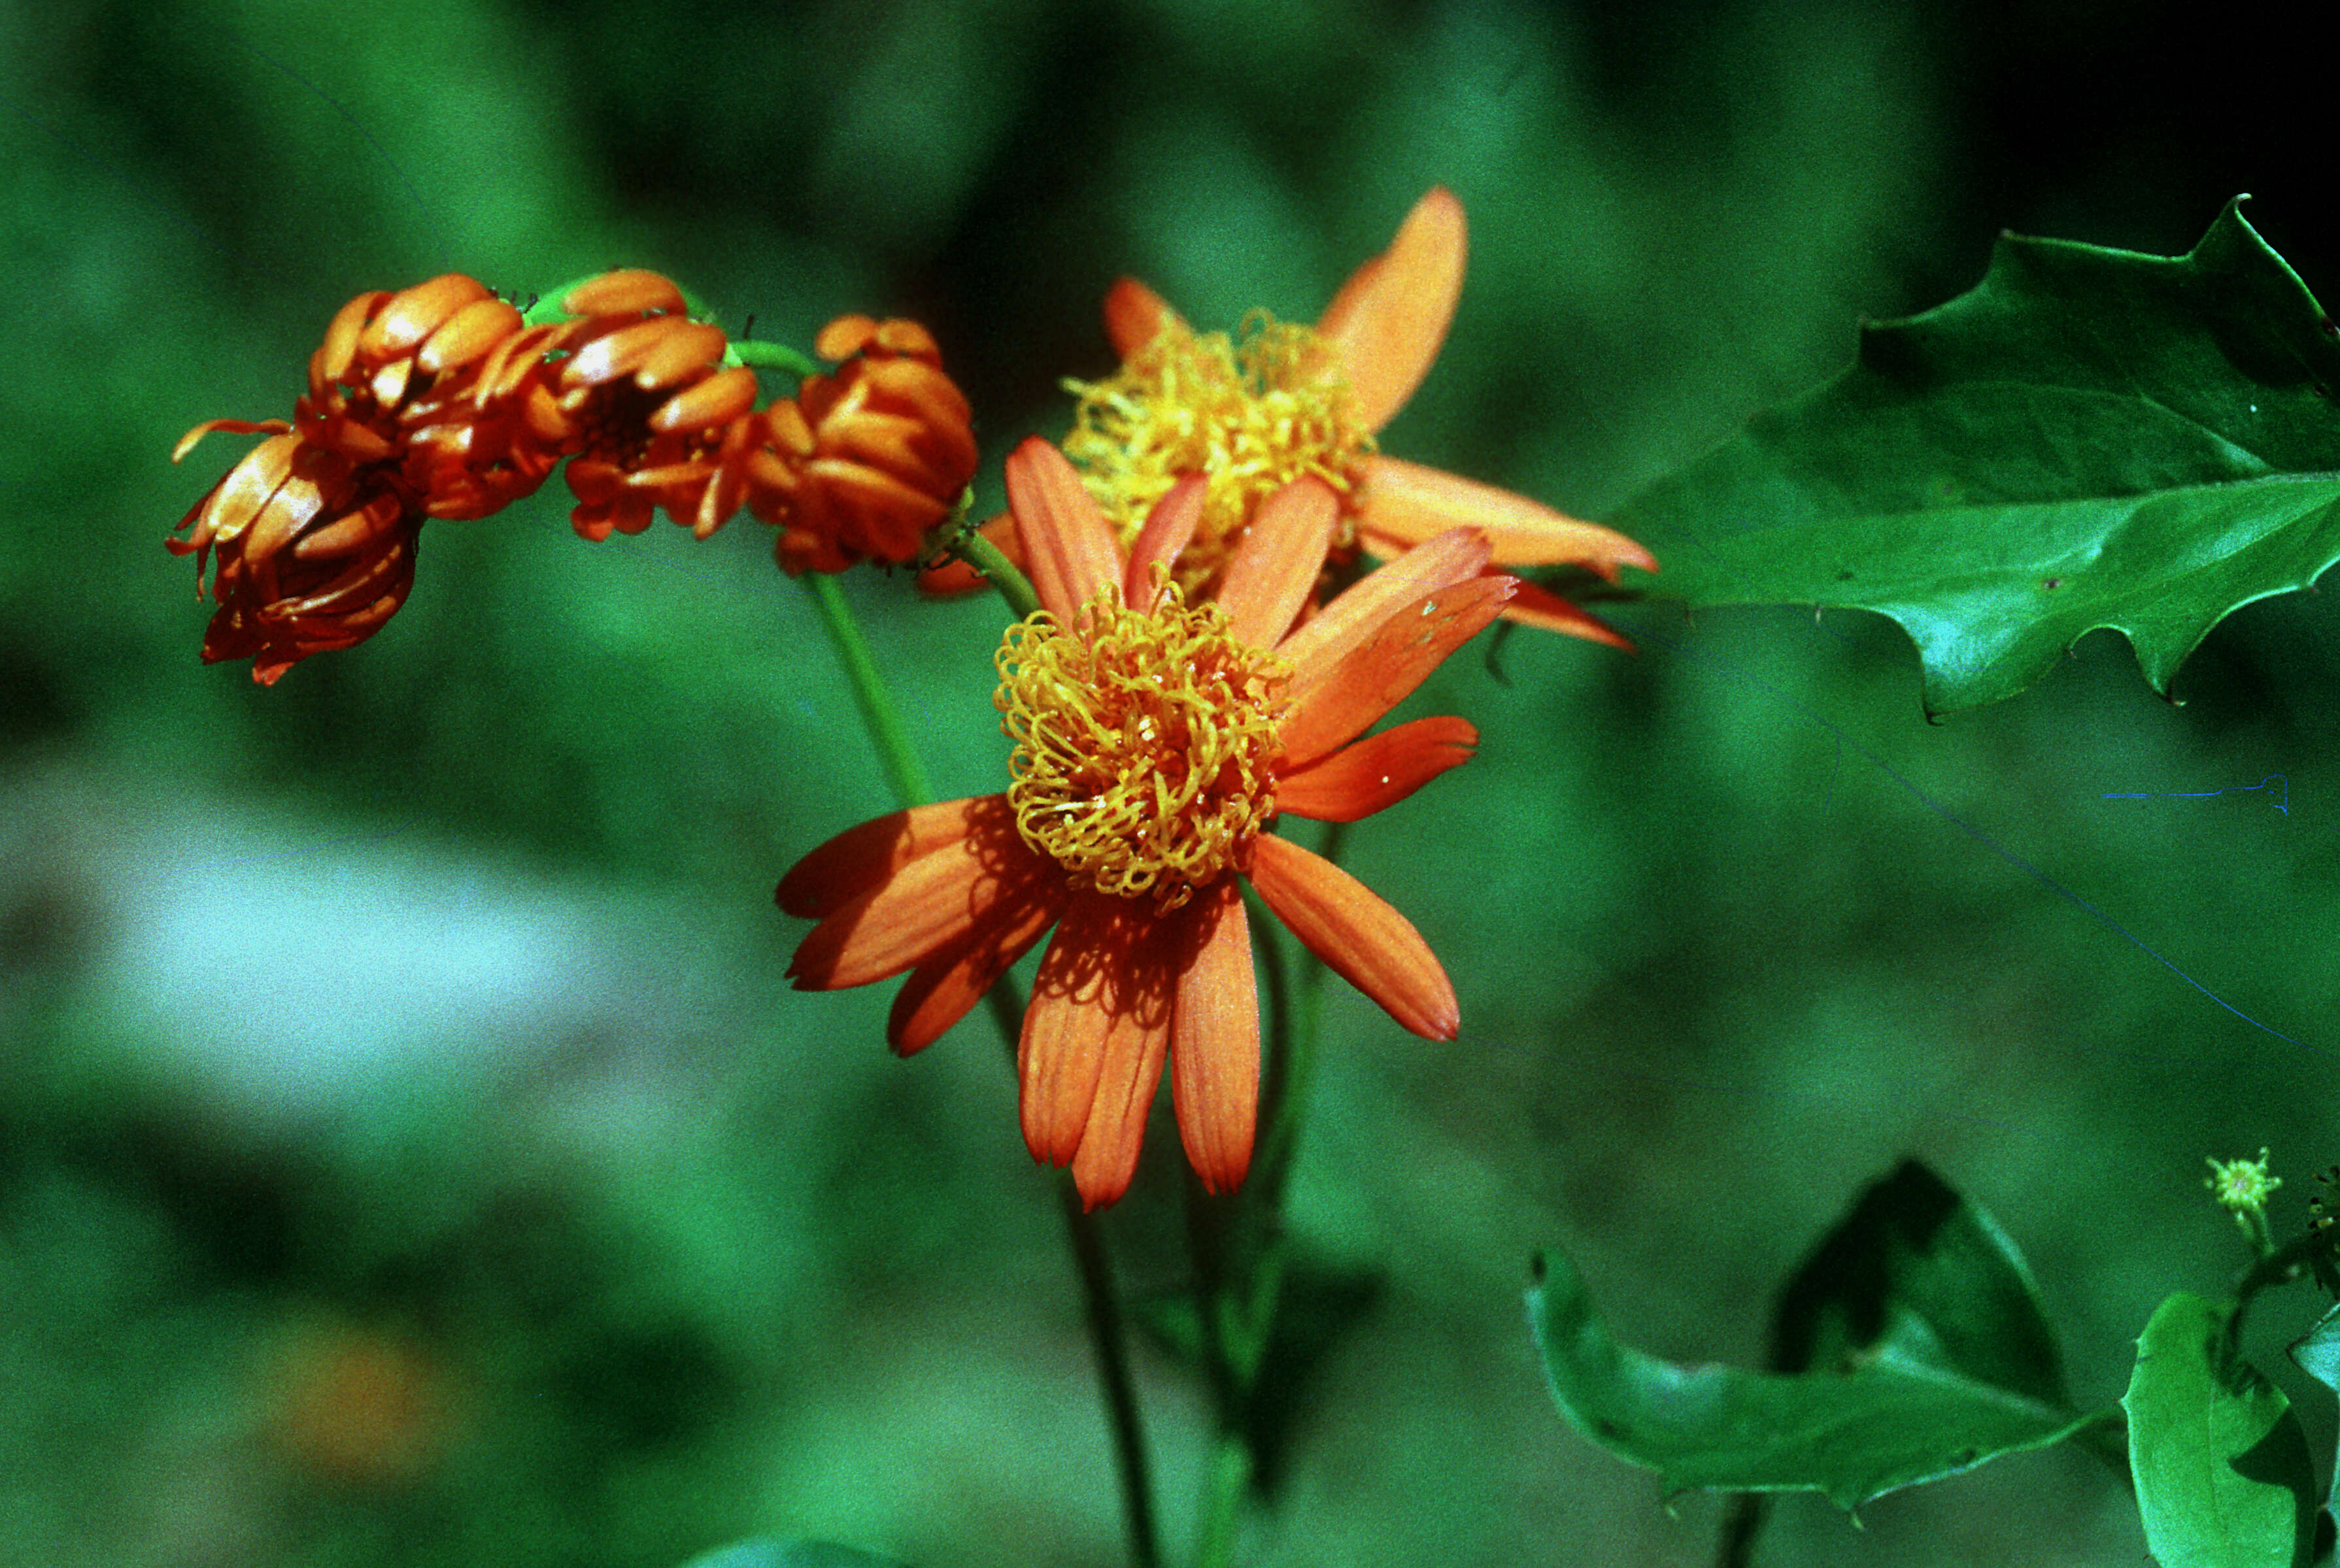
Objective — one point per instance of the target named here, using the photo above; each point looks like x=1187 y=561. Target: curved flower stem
x=879 y=714
x=1002 y=573
x=759 y=355
x=1107 y=1335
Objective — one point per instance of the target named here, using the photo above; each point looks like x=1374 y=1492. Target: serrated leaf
x=1888 y=1421
x=2088 y=439
x=1915 y=1264
x=762 y=1553
x=2222 y=1472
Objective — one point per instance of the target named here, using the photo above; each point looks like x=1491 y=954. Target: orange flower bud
x=864 y=463
x=645 y=405
x=314 y=553
x=400 y=377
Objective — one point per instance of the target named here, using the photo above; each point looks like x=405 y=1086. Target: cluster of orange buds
x=442 y=400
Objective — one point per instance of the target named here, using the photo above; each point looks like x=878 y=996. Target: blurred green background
x=410 y=1152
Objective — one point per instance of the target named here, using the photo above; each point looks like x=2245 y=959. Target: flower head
x=397 y=380
x=314 y=552
x=2241 y=1186
x=1155 y=742
x=645 y=406
x=1279 y=401
x=861 y=465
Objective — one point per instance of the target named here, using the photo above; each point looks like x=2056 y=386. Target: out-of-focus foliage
x=2089 y=438
x=490 y=896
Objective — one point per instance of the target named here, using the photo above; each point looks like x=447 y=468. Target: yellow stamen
x=1254 y=413
x=1145 y=744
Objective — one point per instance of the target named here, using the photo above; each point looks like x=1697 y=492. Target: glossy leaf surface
x=2088 y=439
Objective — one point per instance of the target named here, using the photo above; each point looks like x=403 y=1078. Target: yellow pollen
x=1253 y=412
x=1146 y=744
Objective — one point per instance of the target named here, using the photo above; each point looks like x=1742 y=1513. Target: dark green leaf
x=2317 y=1351
x=1915 y=1266
x=2089 y=437
x=1890 y=1420
x=789 y=1554
x=2222 y=1476
x=2318 y=1355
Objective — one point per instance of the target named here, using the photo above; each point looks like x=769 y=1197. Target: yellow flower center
x=1254 y=413
x=1145 y=744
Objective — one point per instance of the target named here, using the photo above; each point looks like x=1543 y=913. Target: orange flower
x=396 y=381
x=1280 y=401
x=863 y=464
x=314 y=552
x=1155 y=741
x=645 y=403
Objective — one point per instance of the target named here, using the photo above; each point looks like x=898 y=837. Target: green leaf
x=1888 y=1422
x=1913 y=1348
x=2089 y=437
x=2222 y=1476
x=2317 y=1354
x=789 y=1554
x=1915 y=1264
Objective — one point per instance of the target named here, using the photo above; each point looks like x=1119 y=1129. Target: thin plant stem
x=1107 y=1335
x=1003 y=574
x=1103 y=1307
x=879 y=714
x=1230 y=1480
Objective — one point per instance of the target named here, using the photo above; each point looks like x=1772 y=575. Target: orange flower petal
x=1383 y=670
x=1134 y=1042
x=468 y=335
x=716 y=400
x=621 y=293
x=1358 y=935
x=1134 y=313
x=1215 y=1043
x=413 y=314
x=1075 y=1007
x=940 y=991
x=861 y=858
x=845 y=337
x=1356 y=614
x=1547 y=611
x=1390 y=318
x=685 y=347
x=1377 y=773
x=1276 y=566
x=240 y=427
x=332 y=359
x=925 y=907
x=1167 y=529
x=1070 y=550
x=1402 y=504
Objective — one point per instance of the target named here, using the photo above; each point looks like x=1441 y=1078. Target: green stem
x=879 y=714
x=758 y=355
x=1106 y=1334
x=1229 y=1479
x=1003 y=574
x=1103 y=1307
